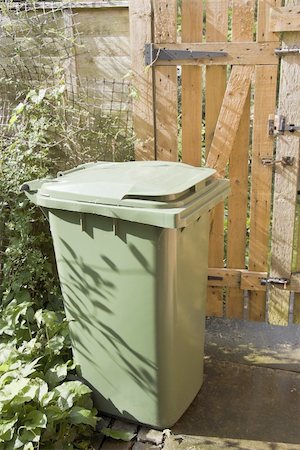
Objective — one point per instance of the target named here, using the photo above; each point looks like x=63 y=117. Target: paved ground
x=250 y=398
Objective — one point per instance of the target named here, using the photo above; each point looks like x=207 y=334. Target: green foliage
x=39 y=408
x=26 y=153
x=118 y=434
x=49 y=129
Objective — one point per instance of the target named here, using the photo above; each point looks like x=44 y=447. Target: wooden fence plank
x=263 y=21
x=216 y=30
x=247 y=280
x=70 y=66
x=261 y=176
x=165 y=82
x=140 y=21
x=192 y=17
x=284 y=19
x=261 y=182
x=242 y=30
x=296 y=311
x=230 y=117
x=238 y=53
x=285 y=189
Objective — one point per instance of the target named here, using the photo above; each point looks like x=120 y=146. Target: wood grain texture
x=296 y=311
x=286 y=177
x=261 y=176
x=70 y=65
x=105 y=51
x=261 y=182
x=284 y=19
x=230 y=116
x=165 y=83
x=238 y=53
x=140 y=20
x=216 y=30
x=263 y=20
x=192 y=17
x=242 y=30
x=247 y=280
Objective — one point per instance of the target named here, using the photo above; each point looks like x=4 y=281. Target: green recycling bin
x=131 y=244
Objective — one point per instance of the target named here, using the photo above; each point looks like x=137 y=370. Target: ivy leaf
x=81 y=415
x=118 y=434
x=7 y=428
x=69 y=392
x=39 y=317
x=55 y=414
x=35 y=419
x=57 y=373
x=13 y=390
x=28 y=446
x=55 y=344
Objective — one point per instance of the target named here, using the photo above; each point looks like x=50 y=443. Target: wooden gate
x=217 y=108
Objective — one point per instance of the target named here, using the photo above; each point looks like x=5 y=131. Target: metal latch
x=285 y=161
x=277 y=125
x=275 y=281
x=152 y=54
x=287 y=51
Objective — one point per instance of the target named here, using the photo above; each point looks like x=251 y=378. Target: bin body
x=134 y=294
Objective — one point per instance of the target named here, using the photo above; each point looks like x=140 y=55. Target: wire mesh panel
x=39 y=44
x=48 y=106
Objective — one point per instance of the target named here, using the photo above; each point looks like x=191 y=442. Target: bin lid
x=163 y=194
x=110 y=183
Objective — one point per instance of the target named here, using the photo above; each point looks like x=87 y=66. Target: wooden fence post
x=242 y=31
x=261 y=176
x=140 y=21
x=216 y=31
x=165 y=83
x=286 y=177
x=192 y=17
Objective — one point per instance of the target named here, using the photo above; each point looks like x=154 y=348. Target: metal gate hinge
x=152 y=54
x=275 y=281
x=285 y=161
x=277 y=126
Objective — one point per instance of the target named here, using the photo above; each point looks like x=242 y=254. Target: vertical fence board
x=216 y=31
x=285 y=189
x=192 y=17
x=261 y=182
x=165 y=31
x=261 y=176
x=296 y=311
x=242 y=30
x=70 y=64
x=140 y=21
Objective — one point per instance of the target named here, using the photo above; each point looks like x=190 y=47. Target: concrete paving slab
x=245 y=402
x=253 y=343
x=210 y=443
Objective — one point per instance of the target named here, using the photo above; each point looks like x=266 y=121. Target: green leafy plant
x=50 y=129
x=39 y=407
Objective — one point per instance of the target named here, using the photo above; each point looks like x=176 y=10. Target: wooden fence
x=225 y=106
x=90 y=38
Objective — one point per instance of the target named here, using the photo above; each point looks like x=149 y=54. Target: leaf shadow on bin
x=84 y=288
